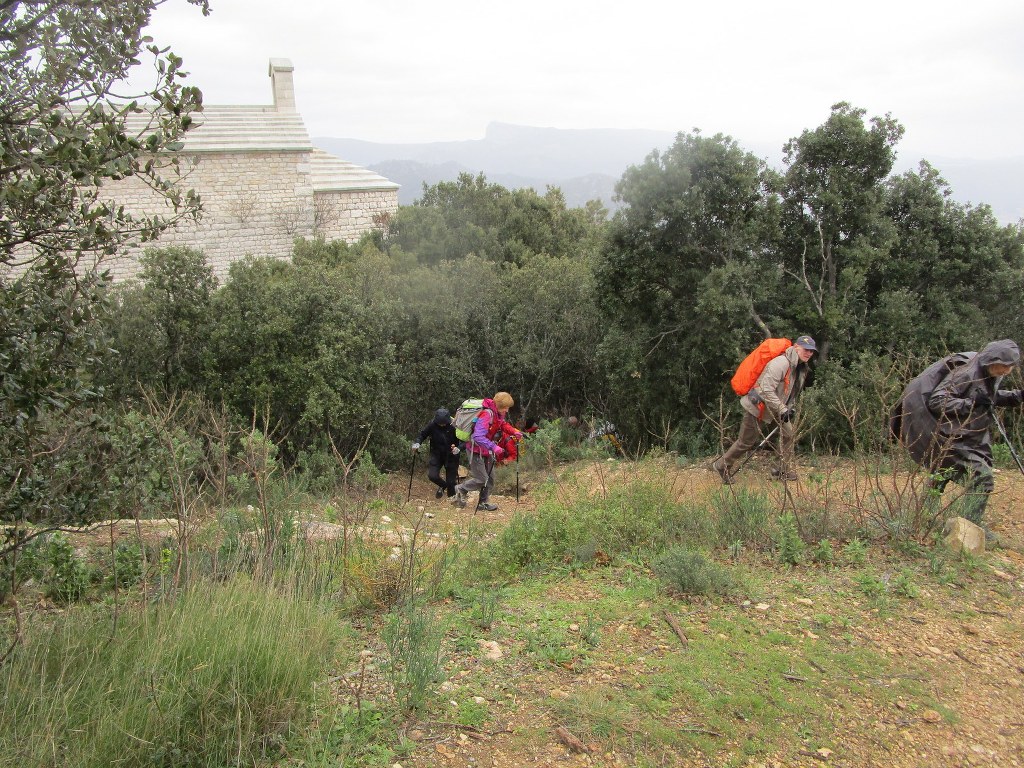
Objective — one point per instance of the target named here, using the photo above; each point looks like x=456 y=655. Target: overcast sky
x=402 y=71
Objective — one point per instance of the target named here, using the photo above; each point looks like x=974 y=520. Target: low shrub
x=634 y=517
x=412 y=635
x=789 y=547
x=690 y=572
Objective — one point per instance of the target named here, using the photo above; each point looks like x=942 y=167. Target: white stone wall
x=255 y=203
x=347 y=214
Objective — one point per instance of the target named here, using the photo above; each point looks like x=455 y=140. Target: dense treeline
x=640 y=319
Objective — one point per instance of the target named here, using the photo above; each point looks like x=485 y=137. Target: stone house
x=263 y=184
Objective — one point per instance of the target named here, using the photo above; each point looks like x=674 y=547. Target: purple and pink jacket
x=485 y=429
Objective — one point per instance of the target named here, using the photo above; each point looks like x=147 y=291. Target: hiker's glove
x=499 y=452
x=455 y=450
x=982 y=401
x=415 y=447
x=787 y=415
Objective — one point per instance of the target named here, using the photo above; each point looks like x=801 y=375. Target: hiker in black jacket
x=444 y=452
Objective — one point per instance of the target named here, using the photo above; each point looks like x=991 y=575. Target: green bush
x=690 y=572
x=210 y=680
x=789 y=547
x=633 y=517
x=855 y=552
x=823 y=553
x=741 y=515
x=126 y=570
x=64 y=575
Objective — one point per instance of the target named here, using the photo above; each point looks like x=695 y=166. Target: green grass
x=212 y=679
x=744 y=686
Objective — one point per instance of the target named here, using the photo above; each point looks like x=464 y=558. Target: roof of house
x=245 y=129
x=331 y=173
x=276 y=127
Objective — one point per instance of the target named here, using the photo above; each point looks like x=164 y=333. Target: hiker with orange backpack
x=483 y=450
x=777 y=371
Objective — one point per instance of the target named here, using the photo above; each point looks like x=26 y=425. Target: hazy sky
x=401 y=71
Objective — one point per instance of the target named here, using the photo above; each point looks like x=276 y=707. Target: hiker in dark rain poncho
x=945 y=415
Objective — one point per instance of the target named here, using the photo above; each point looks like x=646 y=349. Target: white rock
x=962 y=534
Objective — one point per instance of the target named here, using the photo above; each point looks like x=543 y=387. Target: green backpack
x=466 y=416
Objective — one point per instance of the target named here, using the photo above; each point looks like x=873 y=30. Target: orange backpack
x=750 y=369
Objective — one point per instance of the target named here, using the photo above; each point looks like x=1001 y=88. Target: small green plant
x=551 y=646
x=126 y=570
x=1001 y=455
x=486 y=603
x=741 y=516
x=789 y=547
x=903 y=585
x=591 y=631
x=855 y=552
x=65 y=576
x=823 y=553
x=690 y=572
x=366 y=477
x=472 y=713
x=412 y=636
x=870 y=584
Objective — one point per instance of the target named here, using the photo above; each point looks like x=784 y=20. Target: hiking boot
x=723 y=472
x=486 y=506
x=439 y=493
x=459 y=500
x=786 y=475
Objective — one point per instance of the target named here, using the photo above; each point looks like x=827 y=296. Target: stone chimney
x=281 y=81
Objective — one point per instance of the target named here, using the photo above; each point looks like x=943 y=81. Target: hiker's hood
x=489 y=404
x=1003 y=351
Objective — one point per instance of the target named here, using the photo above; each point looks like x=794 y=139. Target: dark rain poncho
x=937 y=418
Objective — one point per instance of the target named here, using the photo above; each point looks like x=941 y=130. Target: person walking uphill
x=484 y=451
x=773 y=396
x=944 y=417
x=444 y=452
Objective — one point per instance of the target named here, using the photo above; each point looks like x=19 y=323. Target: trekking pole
x=412 y=470
x=517 y=474
x=758 y=447
x=1006 y=440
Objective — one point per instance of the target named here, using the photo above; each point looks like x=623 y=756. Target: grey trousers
x=481 y=477
x=750 y=436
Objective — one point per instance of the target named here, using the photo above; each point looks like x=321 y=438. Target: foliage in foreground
x=212 y=679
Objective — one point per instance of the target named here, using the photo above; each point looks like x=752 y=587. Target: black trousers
x=438 y=461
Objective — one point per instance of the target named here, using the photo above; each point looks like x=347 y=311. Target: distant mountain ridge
x=587 y=163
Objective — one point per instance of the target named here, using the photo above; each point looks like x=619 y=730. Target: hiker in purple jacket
x=484 y=452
